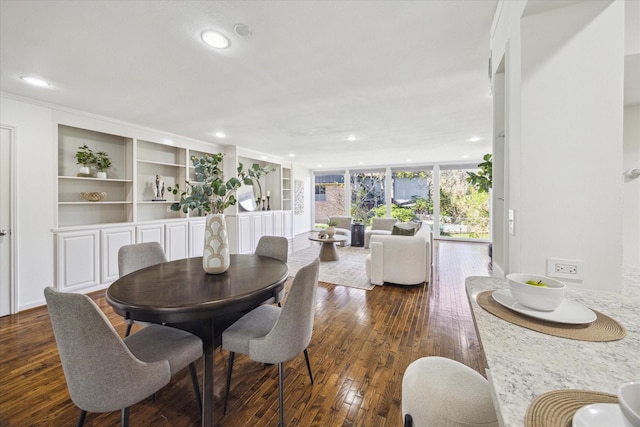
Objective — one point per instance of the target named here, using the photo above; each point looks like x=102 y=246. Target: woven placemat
x=557 y=408
x=603 y=328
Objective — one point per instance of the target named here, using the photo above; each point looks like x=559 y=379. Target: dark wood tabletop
x=181 y=291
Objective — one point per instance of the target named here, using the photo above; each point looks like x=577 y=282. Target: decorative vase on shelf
x=215 y=257
x=331 y=230
x=84 y=171
x=101 y=175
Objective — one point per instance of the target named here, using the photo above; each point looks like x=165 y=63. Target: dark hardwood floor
x=362 y=343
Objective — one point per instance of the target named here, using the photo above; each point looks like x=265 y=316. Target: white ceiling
x=407 y=78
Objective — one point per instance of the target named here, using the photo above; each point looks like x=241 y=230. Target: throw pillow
x=401 y=229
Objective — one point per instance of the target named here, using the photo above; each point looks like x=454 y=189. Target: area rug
x=347 y=271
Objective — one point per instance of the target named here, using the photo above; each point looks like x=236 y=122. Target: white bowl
x=543 y=298
x=629 y=399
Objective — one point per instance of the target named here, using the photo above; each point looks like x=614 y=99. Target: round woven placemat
x=603 y=328
x=557 y=408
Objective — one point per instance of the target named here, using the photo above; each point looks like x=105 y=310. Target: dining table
x=523 y=364
x=180 y=292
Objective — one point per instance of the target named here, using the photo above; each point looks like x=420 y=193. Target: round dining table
x=181 y=292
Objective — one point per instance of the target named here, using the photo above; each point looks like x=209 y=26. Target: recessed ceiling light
x=351 y=138
x=291 y=155
x=242 y=30
x=361 y=163
x=319 y=166
x=465 y=156
x=36 y=81
x=475 y=139
x=409 y=160
x=168 y=141
x=215 y=39
x=264 y=157
x=221 y=134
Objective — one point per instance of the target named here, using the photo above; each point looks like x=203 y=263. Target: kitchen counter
x=521 y=364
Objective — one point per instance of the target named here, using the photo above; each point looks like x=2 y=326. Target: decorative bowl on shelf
x=536 y=292
x=94 y=196
x=629 y=398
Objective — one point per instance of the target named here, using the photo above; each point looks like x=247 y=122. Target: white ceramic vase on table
x=215 y=257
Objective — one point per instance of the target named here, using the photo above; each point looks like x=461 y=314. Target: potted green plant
x=85 y=157
x=102 y=163
x=211 y=194
x=255 y=173
x=482 y=181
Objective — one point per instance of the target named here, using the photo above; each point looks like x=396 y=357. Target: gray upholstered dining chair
x=136 y=257
x=106 y=373
x=274 y=335
x=274 y=247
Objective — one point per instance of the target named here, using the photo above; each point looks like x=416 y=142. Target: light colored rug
x=347 y=271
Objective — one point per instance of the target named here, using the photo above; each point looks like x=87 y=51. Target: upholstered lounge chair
x=402 y=260
x=379 y=227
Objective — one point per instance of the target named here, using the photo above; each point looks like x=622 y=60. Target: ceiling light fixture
x=351 y=138
x=221 y=135
x=465 y=156
x=215 y=39
x=475 y=139
x=291 y=155
x=35 y=81
x=264 y=157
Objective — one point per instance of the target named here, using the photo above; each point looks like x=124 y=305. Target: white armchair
x=379 y=226
x=402 y=260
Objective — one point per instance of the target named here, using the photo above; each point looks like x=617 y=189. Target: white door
x=6 y=256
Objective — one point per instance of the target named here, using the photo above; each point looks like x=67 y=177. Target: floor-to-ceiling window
x=464 y=211
x=329 y=192
x=412 y=194
x=367 y=195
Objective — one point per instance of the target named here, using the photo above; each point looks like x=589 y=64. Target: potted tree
x=482 y=181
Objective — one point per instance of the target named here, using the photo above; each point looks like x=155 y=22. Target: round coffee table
x=328 y=250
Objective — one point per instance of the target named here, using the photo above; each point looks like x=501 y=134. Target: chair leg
x=306 y=358
x=281 y=391
x=408 y=421
x=128 y=331
x=80 y=422
x=229 y=370
x=124 y=418
x=196 y=387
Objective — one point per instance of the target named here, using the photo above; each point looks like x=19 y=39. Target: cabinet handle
x=3 y=232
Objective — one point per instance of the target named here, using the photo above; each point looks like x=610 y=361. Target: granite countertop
x=522 y=364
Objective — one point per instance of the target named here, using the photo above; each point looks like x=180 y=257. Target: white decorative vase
x=101 y=175
x=215 y=257
x=331 y=230
x=84 y=171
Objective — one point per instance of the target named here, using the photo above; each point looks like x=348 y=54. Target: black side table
x=357 y=234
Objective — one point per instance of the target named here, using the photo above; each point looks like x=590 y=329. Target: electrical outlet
x=168 y=208
x=565 y=268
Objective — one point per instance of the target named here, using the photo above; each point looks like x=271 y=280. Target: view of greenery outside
x=464 y=211
x=367 y=195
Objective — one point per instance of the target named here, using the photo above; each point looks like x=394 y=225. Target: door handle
x=3 y=232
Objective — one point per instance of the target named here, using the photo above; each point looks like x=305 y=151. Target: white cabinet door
x=245 y=234
x=267 y=224
x=112 y=239
x=176 y=242
x=288 y=224
x=150 y=233
x=257 y=230
x=196 y=237
x=77 y=260
x=278 y=223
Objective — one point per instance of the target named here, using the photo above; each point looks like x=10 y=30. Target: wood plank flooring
x=362 y=343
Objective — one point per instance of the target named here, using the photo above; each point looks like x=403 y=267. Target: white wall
x=302 y=223
x=631 y=195
x=564 y=98
x=35 y=198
